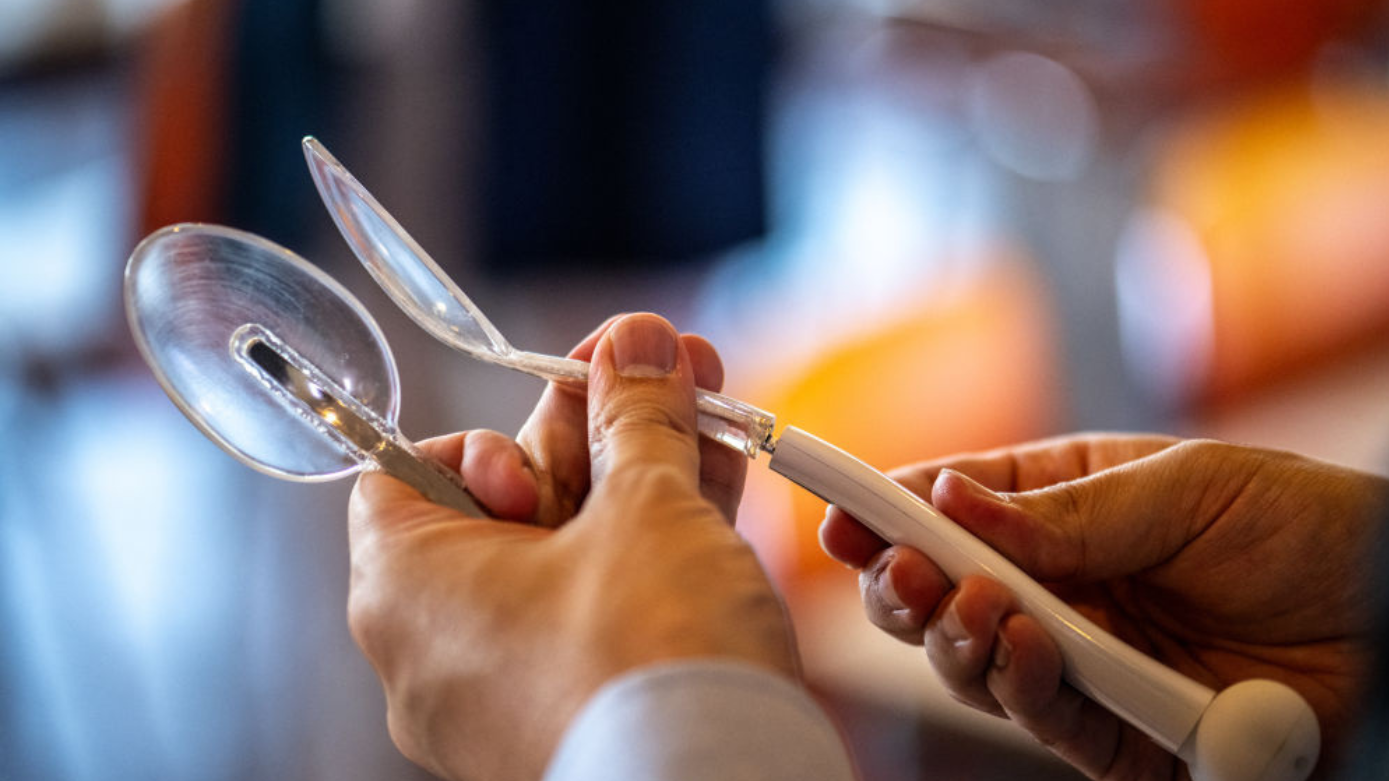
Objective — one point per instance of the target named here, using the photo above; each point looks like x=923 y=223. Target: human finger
x=641 y=404
x=497 y=472
x=1036 y=464
x=1025 y=679
x=1009 y=469
x=901 y=589
x=959 y=640
x=493 y=468
x=555 y=435
x=848 y=541
x=1115 y=522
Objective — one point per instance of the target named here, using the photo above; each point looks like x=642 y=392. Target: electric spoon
x=1256 y=730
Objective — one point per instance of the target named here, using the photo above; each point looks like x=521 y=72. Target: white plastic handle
x=1260 y=730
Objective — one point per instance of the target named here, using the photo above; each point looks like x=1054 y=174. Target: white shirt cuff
x=698 y=721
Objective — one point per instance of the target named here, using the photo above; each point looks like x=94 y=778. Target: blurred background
x=913 y=227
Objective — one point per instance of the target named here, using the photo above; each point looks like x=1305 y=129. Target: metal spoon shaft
x=305 y=389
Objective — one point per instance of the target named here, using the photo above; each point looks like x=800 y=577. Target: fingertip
x=952 y=490
x=884 y=607
x=641 y=399
x=960 y=640
x=983 y=603
x=916 y=580
x=498 y=472
x=846 y=540
x=722 y=476
x=642 y=346
x=705 y=360
x=994 y=518
x=363 y=498
x=447 y=449
x=375 y=489
x=723 y=470
x=901 y=589
x=961 y=633
x=380 y=503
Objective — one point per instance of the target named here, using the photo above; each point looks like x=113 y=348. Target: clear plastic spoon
x=419 y=287
x=273 y=360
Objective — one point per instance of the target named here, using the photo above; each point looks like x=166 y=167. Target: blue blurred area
x=622 y=133
x=167 y=612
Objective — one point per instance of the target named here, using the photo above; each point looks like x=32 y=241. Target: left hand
x=1221 y=561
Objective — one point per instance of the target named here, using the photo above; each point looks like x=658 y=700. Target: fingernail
x=973 y=487
x=1003 y=653
x=952 y=627
x=643 y=347
x=886 y=591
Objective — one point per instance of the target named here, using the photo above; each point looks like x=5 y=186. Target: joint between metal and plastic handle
x=724 y=419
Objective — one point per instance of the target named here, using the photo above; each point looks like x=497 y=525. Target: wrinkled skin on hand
x=1221 y=561
x=613 y=548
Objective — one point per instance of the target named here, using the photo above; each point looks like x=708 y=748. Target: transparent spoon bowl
x=272 y=359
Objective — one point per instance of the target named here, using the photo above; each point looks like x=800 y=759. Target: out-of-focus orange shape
x=1288 y=196
x=973 y=369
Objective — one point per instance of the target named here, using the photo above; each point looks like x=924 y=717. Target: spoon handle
x=401 y=459
x=306 y=391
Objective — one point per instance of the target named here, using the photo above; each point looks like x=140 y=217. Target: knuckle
x=366 y=620
x=416 y=702
x=1199 y=453
x=371 y=617
x=641 y=413
x=408 y=721
x=402 y=733
x=647 y=484
x=899 y=622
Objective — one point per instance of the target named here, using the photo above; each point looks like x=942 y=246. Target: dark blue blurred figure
x=284 y=86
x=622 y=131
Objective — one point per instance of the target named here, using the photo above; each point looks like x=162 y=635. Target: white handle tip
x=1254 y=731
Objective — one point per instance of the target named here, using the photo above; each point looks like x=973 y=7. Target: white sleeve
x=701 y=721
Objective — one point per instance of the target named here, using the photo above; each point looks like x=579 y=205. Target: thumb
x=641 y=405
x=1115 y=522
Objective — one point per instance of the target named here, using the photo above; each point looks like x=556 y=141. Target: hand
x=1223 y=562
x=489 y=635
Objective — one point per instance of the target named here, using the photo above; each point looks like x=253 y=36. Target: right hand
x=1223 y=562
x=613 y=550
